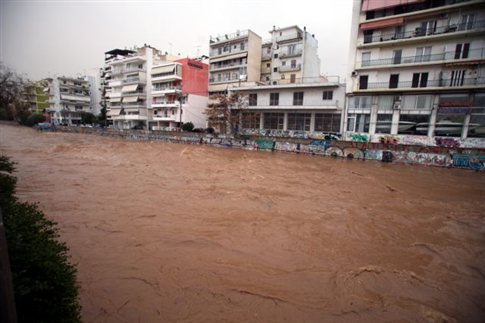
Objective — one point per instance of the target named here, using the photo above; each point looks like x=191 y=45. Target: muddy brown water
x=186 y=233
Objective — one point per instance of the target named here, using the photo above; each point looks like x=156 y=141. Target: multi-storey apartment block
x=179 y=91
x=145 y=89
x=235 y=60
x=68 y=98
x=417 y=67
x=294 y=109
x=289 y=57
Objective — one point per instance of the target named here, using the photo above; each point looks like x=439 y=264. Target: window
x=250 y=120
x=410 y=123
x=396 y=56
x=363 y=79
x=327 y=122
x=283 y=76
x=476 y=127
x=457 y=77
x=253 y=99
x=361 y=102
x=274 y=121
x=268 y=65
x=423 y=54
x=466 y=22
x=292 y=78
x=327 y=95
x=393 y=81
x=275 y=69
x=291 y=49
x=385 y=102
x=416 y=102
x=274 y=98
x=427 y=28
x=461 y=50
x=299 y=121
x=242 y=46
x=358 y=122
x=293 y=63
x=219 y=50
x=419 y=80
x=298 y=98
x=368 y=36
x=275 y=55
x=366 y=58
x=283 y=63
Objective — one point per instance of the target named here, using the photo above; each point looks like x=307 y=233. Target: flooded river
x=176 y=233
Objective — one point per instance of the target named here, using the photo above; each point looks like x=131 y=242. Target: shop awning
x=130 y=99
x=163 y=69
x=382 y=23
x=225 y=58
x=129 y=88
x=114 y=112
x=369 y=5
x=75 y=98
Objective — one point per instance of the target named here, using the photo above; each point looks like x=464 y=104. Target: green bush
x=44 y=281
x=87 y=118
x=188 y=126
x=34 y=119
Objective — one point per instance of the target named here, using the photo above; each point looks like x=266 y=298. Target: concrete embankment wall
x=473 y=158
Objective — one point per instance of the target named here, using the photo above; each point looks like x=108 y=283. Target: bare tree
x=13 y=105
x=224 y=112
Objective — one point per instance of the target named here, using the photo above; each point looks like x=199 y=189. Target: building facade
x=234 y=60
x=293 y=110
x=290 y=57
x=417 y=69
x=68 y=99
x=148 y=89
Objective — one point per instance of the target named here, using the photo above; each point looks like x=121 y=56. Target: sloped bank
x=385 y=151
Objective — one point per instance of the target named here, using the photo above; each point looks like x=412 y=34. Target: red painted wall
x=195 y=77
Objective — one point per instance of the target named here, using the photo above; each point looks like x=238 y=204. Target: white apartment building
x=290 y=56
x=296 y=110
x=417 y=68
x=144 y=89
x=235 y=60
x=68 y=98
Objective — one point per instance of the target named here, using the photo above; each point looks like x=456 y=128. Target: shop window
x=327 y=122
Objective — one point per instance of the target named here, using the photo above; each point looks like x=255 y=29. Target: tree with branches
x=225 y=111
x=12 y=90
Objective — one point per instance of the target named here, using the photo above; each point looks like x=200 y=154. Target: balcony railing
x=227 y=66
x=480 y=81
x=225 y=79
x=227 y=37
x=168 y=88
x=229 y=51
x=266 y=56
x=291 y=36
x=425 y=32
x=126 y=70
x=140 y=92
x=478 y=53
x=133 y=80
x=288 y=68
x=294 y=53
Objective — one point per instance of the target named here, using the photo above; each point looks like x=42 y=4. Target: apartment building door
x=423 y=54
x=420 y=80
x=457 y=77
x=393 y=81
x=396 y=56
x=363 y=80
x=466 y=22
x=461 y=50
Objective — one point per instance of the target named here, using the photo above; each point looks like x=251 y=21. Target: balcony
x=226 y=79
x=289 y=37
x=129 y=117
x=228 y=37
x=228 y=67
x=165 y=104
x=166 y=90
x=294 y=53
x=266 y=56
x=430 y=85
x=229 y=51
x=134 y=80
x=289 y=68
x=117 y=71
x=473 y=54
x=327 y=105
x=456 y=29
x=133 y=93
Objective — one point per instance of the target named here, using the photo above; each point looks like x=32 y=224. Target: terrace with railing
x=440 y=83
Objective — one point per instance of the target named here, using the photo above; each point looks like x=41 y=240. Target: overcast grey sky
x=44 y=38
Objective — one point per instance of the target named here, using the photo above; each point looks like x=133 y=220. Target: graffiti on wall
x=392 y=140
x=359 y=138
x=475 y=162
x=447 y=142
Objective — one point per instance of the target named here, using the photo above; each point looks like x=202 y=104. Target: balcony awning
x=163 y=69
x=75 y=98
x=117 y=99
x=225 y=58
x=369 y=5
x=382 y=23
x=129 y=88
x=114 y=112
x=130 y=99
